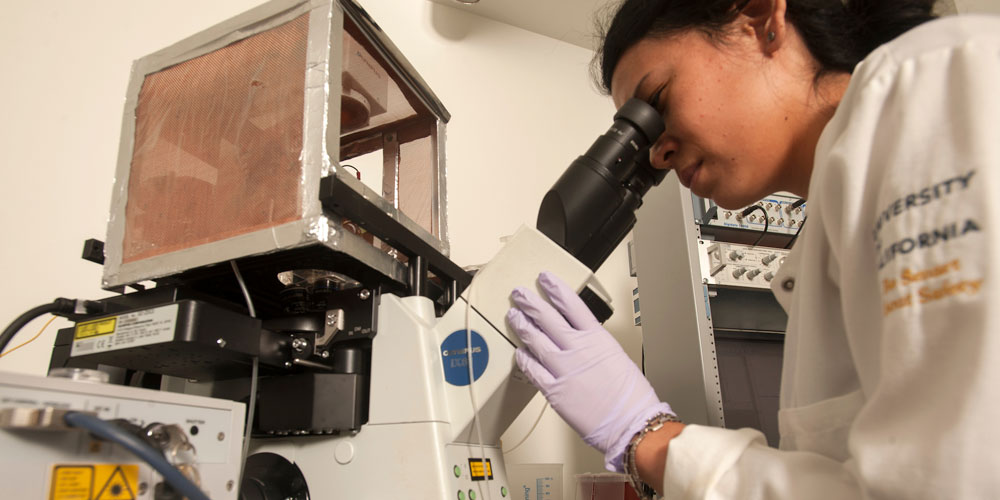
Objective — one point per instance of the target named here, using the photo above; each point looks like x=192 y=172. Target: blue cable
x=110 y=432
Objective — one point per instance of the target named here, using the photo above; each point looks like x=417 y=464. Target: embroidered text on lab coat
x=920 y=198
x=923 y=240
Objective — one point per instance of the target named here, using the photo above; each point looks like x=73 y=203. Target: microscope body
x=368 y=392
x=421 y=436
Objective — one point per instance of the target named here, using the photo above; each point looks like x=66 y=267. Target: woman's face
x=732 y=110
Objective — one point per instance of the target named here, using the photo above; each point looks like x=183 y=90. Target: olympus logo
x=456 y=352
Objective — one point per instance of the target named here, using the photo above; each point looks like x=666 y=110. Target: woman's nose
x=660 y=155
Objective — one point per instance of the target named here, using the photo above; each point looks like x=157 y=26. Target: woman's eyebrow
x=654 y=98
x=638 y=86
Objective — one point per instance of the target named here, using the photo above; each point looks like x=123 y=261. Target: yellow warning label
x=121 y=485
x=94 y=482
x=72 y=482
x=95 y=328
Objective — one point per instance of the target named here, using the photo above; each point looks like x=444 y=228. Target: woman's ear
x=765 y=20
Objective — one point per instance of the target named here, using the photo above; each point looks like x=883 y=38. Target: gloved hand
x=581 y=369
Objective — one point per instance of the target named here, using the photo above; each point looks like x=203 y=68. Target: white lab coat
x=891 y=381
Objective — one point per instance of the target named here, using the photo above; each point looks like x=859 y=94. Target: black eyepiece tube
x=592 y=206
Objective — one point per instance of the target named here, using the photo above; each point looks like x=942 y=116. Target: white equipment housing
x=420 y=440
x=47 y=460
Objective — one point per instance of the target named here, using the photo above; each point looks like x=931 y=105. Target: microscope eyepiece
x=641 y=115
x=592 y=206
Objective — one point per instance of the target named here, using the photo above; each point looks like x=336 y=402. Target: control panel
x=472 y=474
x=781 y=213
x=736 y=265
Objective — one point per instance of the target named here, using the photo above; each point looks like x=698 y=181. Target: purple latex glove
x=581 y=369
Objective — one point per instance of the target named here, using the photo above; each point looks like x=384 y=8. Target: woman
x=887 y=123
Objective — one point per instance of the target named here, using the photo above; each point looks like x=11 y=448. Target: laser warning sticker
x=150 y=326
x=95 y=482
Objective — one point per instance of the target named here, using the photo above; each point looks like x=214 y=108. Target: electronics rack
x=713 y=333
x=785 y=214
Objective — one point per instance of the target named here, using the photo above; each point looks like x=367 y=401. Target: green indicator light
x=458 y=472
x=503 y=491
x=461 y=495
x=472 y=495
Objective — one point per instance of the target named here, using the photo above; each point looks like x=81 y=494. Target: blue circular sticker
x=455 y=357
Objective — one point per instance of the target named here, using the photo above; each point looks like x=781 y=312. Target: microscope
x=293 y=304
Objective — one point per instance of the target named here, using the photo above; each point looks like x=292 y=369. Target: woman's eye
x=657 y=100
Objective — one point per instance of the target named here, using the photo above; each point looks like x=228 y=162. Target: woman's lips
x=687 y=174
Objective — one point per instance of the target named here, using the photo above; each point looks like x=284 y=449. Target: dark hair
x=838 y=33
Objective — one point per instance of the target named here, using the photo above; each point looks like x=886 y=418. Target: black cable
x=356 y=171
x=58 y=305
x=110 y=432
x=798 y=203
x=797 y=231
x=747 y=211
x=643 y=360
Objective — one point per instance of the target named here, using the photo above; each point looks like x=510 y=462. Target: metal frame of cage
x=321 y=135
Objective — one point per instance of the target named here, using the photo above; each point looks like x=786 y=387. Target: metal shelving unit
x=712 y=350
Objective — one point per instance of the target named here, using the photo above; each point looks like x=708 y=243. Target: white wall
x=522 y=104
x=977 y=6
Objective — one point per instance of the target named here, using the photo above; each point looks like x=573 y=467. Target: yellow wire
x=39 y=334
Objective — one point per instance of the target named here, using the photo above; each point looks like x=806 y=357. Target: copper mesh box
x=227 y=134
